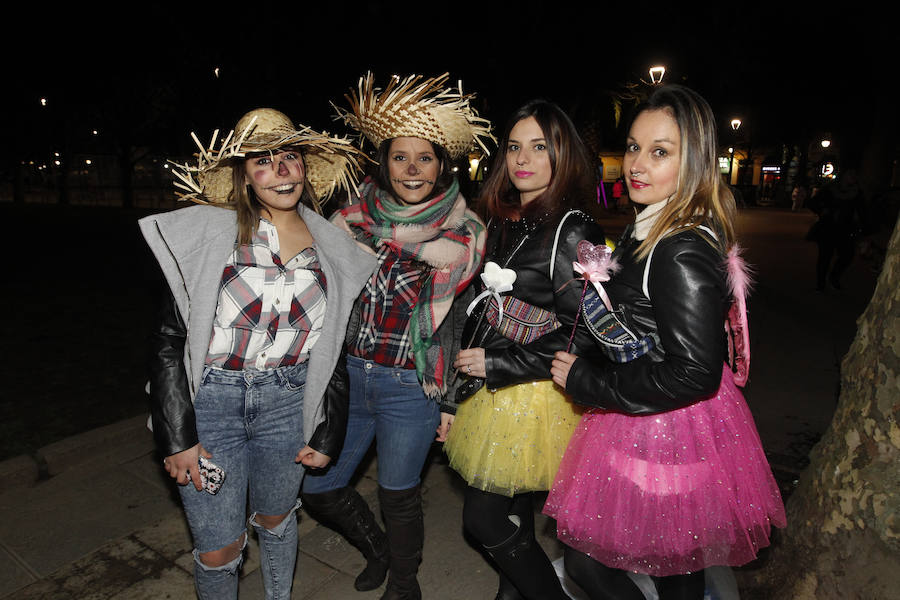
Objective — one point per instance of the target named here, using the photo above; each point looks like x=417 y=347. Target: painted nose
x=282 y=168
x=412 y=169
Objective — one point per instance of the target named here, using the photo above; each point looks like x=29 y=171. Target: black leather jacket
x=526 y=248
x=171 y=409
x=687 y=307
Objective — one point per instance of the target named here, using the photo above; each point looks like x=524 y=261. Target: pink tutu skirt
x=669 y=493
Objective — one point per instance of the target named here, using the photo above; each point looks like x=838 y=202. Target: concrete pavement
x=109 y=525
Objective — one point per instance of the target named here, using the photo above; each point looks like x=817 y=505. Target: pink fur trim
x=740 y=276
x=739 y=280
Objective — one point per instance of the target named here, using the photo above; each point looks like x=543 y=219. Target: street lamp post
x=735 y=125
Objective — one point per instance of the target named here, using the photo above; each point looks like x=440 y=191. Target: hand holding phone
x=211 y=475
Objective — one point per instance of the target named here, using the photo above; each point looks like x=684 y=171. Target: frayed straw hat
x=418 y=108
x=331 y=162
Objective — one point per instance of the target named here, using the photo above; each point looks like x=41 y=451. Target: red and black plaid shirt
x=387 y=303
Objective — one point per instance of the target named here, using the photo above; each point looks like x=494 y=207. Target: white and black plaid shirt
x=269 y=314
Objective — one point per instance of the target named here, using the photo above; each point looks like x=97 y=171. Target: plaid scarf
x=443 y=234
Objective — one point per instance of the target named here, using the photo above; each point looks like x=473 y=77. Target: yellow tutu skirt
x=512 y=440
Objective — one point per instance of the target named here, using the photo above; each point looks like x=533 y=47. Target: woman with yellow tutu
x=512 y=425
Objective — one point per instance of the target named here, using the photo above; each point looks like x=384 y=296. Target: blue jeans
x=386 y=404
x=252 y=424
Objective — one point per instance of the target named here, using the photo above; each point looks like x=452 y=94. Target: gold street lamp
x=735 y=125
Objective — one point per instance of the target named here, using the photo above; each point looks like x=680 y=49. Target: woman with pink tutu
x=665 y=474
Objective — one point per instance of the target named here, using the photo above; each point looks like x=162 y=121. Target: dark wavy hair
x=382 y=174
x=571 y=178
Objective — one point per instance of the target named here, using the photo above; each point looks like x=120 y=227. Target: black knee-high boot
x=404 y=522
x=521 y=508
x=345 y=511
x=525 y=571
x=524 y=563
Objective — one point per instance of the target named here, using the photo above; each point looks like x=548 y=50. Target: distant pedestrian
x=620 y=196
x=840 y=208
x=665 y=475
x=259 y=294
x=738 y=196
x=798 y=197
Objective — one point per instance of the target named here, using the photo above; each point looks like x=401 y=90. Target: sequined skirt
x=511 y=441
x=669 y=493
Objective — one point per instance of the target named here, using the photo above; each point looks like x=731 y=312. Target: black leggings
x=605 y=583
x=486 y=515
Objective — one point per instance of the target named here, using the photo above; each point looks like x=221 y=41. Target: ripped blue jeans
x=252 y=424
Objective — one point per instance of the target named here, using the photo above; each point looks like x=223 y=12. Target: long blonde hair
x=701 y=196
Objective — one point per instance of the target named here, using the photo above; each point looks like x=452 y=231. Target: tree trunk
x=843 y=535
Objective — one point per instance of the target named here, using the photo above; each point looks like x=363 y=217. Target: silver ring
x=469 y=369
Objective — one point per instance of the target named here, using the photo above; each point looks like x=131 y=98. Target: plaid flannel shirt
x=386 y=305
x=269 y=314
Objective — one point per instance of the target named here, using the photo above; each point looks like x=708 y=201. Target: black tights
x=605 y=583
x=486 y=515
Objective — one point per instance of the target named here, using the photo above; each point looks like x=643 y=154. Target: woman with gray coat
x=243 y=355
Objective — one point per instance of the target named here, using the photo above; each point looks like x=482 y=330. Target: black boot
x=521 y=513
x=345 y=511
x=507 y=590
x=524 y=563
x=402 y=510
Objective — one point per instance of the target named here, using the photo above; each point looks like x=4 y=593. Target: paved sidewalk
x=108 y=525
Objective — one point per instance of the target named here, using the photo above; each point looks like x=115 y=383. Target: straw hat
x=418 y=108
x=331 y=162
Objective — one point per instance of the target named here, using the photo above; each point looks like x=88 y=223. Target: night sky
x=789 y=73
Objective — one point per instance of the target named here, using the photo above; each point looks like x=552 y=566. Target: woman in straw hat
x=260 y=291
x=411 y=216
x=508 y=437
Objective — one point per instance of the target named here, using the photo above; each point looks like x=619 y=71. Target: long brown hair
x=571 y=179
x=243 y=199
x=701 y=196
